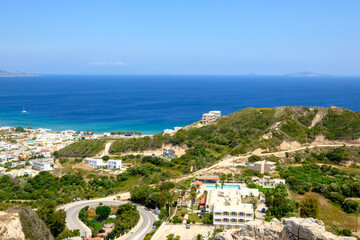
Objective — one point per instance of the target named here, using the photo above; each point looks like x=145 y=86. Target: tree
x=105 y=158
x=19 y=129
x=103 y=211
x=216 y=185
x=199 y=237
x=57 y=222
x=254 y=158
x=350 y=206
x=222 y=180
x=193 y=196
x=309 y=207
x=170 y=237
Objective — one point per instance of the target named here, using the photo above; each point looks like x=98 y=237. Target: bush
x=177 y=220
x=254 y=158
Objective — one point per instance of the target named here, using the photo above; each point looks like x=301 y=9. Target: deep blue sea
x=151 y=104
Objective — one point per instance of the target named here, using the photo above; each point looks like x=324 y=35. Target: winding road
x=147 y=218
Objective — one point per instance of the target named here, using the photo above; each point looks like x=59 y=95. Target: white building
x=210 y=117
x=267 y=181
x=249 y=192
x=227 y=209
x=41 y=166
x=99 y=163
x=263 y=166
x=96 y=163
x=114 y=164
x=168 y=152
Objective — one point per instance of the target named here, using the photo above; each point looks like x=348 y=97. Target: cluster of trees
x=152 y=197
x=82 y=148
x=54 y=220
x=127 y=216
x=278 y=203
x=331 y=182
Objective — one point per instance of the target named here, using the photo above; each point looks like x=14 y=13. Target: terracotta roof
x=196 y=183
x=202 y=200
x=208 y=178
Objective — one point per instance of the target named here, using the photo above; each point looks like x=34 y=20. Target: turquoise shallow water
x=152 y=103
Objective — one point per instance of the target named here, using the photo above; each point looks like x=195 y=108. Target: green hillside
x=249 y=129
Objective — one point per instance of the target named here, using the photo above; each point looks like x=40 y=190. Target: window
x=225 y=220
x=233 y=220
x=241 y=220
x=241 y=214
x=226 y=213
x=233 y=214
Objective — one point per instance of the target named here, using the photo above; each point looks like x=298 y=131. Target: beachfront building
x=208 y=179
x=227 y=209
x=263 y=166
x=41 y=165
x=114 y=164
x=210 y=116
x=168 y=152
x=268 y=182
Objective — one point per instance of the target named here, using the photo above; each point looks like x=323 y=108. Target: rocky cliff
x=286 y=229
x=10 y=226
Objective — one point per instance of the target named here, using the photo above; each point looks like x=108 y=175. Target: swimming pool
x=225 y=187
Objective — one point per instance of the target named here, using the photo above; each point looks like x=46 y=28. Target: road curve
x=73 y=222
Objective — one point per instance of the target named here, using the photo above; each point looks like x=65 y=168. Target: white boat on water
x=24 y=111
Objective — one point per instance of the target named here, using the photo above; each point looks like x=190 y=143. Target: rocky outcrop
x=10 y=226
x=288 y=229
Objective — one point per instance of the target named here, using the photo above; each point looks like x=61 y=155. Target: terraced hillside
x=83 y=148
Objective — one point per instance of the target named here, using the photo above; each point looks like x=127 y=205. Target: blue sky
x=180 y=36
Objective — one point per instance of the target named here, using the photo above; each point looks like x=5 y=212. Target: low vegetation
x=127 y=216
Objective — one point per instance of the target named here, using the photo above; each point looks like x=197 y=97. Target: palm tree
x=216 y=185
x=199 y=237
x=222 y=184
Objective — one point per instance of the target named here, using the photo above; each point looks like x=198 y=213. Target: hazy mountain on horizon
x=308 y=74
x=16 y=74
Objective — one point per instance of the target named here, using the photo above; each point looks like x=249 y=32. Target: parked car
x=187 y=226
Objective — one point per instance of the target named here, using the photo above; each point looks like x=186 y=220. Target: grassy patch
x=330 y=213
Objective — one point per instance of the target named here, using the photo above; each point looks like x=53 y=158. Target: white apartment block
x=227 y=209
x=263 y=166
x=41 y=166
x=114 y=164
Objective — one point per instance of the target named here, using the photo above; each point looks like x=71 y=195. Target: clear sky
x=180 y=36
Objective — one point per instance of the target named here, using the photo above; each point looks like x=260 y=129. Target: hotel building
x=227 y=209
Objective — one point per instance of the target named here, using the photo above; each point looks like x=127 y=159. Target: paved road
x=73 y=222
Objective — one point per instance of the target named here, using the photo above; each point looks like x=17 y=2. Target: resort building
x=227 y=209
x=208 y=179
x=263 y=166
x=168 y=152
x=210 y=117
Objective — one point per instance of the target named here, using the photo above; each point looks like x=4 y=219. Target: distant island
x=17 y=74
x=308 y=74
